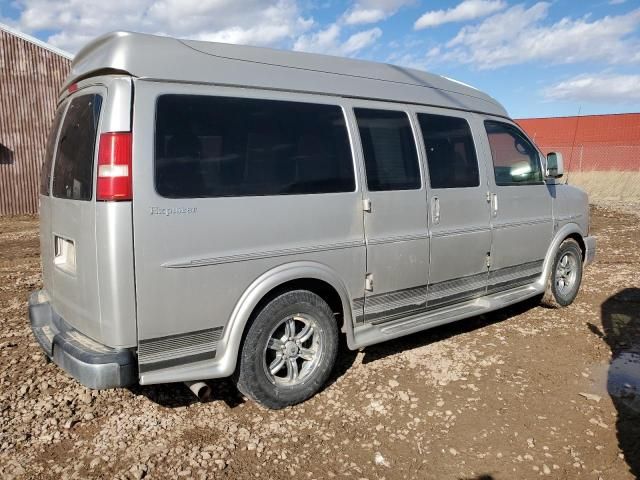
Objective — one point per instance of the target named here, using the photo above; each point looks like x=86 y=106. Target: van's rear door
x=69 y=245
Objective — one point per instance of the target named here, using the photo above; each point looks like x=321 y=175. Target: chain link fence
x=605 y=172
x=600 y=157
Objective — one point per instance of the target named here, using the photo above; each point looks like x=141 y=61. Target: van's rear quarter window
x=73 y=168
x=208 y=146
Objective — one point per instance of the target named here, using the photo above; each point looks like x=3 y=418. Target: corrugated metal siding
x=30 y=78
x=590 y=143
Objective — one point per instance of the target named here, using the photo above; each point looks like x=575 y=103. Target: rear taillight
x=114 y=167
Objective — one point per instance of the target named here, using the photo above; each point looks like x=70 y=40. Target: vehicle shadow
x=427 y=337
x=621 y=324
x=175 y=395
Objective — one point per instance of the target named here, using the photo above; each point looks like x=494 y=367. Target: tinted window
x=451 y=155
x=6 y=155
x=515 y=159
x=73 y=168
x=217 y=146
x=45 y=175
x=389 y=150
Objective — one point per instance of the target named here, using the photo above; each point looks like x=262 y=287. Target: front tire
x=289 y=350
x=566 y=276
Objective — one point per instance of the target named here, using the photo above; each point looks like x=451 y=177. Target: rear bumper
x=92 y=364
x=590 y=250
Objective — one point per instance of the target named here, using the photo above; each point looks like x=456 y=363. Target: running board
x=369 y=333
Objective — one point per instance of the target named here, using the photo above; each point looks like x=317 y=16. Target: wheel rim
x=293 y=351
x=566 y=273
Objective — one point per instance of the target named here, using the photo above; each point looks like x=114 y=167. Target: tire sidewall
x=568 y=298
x=252 y=379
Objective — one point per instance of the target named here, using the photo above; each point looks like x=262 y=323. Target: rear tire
x=288 y=351
x=565 y=277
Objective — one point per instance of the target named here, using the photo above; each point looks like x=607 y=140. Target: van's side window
x=73 y=169
x=208 y=146
x=451 y=154
x=515 y=159
x=389 y=149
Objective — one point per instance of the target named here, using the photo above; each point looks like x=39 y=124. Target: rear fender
x=232 y=336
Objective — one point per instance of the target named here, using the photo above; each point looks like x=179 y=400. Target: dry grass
x=608 y=185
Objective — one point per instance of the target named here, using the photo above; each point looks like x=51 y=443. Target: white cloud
x=409 y=60
x=372 y=11
x=597 y=88
x=364 y=15
x=328 y=41
x=360 y=40
x=320 y=41
x=518 y=36
x=409 y=53
x=258 y=22
x=467 y=10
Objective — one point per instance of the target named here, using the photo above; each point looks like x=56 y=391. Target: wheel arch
x=313 y=276
x=580 y=241
x=569 y=230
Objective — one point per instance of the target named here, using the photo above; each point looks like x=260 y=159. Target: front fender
x=560 y=236
x=273 y=278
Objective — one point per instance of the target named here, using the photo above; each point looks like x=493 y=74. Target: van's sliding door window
x=209 y=146
x=451 y=155
x=73 y=169
x=389 y=148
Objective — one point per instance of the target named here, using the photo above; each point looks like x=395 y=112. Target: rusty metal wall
x=30 y=79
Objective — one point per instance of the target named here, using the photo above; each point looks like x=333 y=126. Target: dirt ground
x=516 y=394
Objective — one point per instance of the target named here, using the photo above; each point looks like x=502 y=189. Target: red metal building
x=590 y=142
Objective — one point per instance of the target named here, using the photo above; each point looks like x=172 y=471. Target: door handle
x=435 y=210
x=494 y=204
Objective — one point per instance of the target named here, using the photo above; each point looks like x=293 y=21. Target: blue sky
x=539 y=58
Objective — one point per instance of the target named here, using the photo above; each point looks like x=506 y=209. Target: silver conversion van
x=212 y=210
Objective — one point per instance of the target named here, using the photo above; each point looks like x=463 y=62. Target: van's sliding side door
x=458 y=207
x=395 y=216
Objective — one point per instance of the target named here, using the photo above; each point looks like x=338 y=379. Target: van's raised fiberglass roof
x=165 y=58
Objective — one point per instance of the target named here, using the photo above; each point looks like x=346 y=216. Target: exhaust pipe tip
x=200 y=390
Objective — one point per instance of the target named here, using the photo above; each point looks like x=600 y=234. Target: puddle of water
x=624 y=378
x=621 y=379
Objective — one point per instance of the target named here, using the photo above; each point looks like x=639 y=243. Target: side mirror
x=555 y=165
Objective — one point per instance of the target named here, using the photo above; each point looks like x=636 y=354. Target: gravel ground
x=520 y=393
